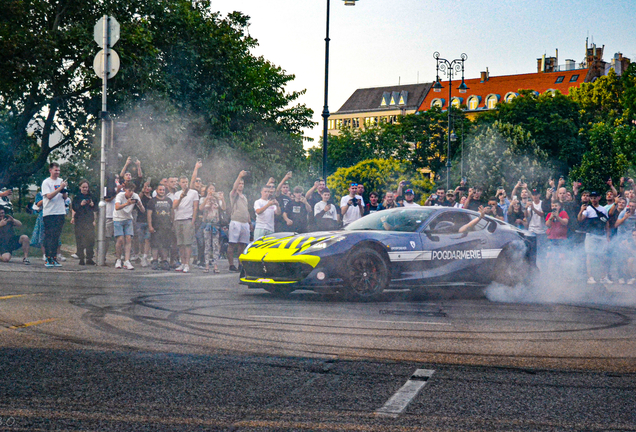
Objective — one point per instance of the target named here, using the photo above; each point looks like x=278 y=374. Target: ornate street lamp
x=325 y=110
x=449 y=68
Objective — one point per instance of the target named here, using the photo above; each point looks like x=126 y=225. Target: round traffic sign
x=113 y=63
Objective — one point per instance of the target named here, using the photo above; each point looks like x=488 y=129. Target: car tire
x=366 y=275
x=512 y=266
x=279 y=291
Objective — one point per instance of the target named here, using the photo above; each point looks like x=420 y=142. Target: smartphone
x=199 y=160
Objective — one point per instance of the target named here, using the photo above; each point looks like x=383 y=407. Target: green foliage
x=380 y=175
x=554 y=122
x=601 y=100
x=176 y=55
x=500 y=154
x=418 y=138
x=604 y=159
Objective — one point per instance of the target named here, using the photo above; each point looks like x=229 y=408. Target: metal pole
x=325 y=110
x=101 y=226
x=448 y=132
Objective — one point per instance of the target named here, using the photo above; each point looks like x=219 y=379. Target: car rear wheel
x=367 y=274
x=512 y=266
x=279 y=291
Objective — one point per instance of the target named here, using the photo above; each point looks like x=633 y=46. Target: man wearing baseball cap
x=409 y=196
x=597 y=237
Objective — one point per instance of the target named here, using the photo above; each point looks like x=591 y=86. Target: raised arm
x=195 y=172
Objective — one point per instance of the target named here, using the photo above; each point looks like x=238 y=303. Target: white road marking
x=343 y=319
x=403 y=397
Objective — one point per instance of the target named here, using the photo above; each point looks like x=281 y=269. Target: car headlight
x=323 y=244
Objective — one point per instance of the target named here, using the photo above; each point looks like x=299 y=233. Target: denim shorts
x=123 y=228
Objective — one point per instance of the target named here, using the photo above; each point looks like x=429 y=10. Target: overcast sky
x=385 y=42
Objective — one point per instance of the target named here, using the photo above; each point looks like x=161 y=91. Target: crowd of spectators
x=160 y=225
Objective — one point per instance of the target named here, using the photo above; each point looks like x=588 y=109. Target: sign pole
x=101 y=227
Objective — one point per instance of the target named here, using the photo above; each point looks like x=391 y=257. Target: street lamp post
x=325 y=110
x=449 y=68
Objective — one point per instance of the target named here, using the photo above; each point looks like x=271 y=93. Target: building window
x=437 y=103
x=473 y=102
x=456 y=102
x=560 y=79
x=491 y=101
x=510 y=96
x=574 y=78
x=385 y=98
x=355 y=122
x=338 y=123
x=346 y=122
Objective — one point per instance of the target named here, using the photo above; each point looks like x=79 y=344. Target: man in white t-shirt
x=185 y=205
x=535 y=215
x=123 y=229
x=54 y=194
x=266 y=209
x=597 y=237
x=326 y=213
x=409 y=199
x=351 y=206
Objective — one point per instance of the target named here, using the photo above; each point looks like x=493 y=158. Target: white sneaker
x=144 y=262
x=621 y=281
x=180 y=268
x=118 y=264
x=186 y=268
x=43 y=257
x=74 y=256
x=128 y=266
x=632 y=281
x=60 y=257
x=606 y=280
x=591 y=280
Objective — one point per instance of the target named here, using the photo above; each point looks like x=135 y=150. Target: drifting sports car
x=398 y=248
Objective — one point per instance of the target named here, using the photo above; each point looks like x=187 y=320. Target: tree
x=604 y=159
x=418 y=138
x=380 y=175
x=553 y=120
x=177 y=51
x=500 y=154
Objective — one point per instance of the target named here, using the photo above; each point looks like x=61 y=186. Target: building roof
x=501 y=86
x=375 y=99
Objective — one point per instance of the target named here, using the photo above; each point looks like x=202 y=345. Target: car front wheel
x=367 y=274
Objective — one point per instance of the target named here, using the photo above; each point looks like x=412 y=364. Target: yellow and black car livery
x=398 y=248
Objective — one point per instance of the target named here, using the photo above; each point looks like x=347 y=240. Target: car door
x=451 y=256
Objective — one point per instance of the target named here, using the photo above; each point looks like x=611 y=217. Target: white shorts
x=239 y=232
x=596 y=244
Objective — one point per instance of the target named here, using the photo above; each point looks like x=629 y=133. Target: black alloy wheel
x=367 y=274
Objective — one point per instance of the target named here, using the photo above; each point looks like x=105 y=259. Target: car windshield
x=400 y=219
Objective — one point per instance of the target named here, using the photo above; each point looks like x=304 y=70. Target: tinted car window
x=402 y=220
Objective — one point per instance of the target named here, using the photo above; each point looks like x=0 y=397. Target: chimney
x=484 y=76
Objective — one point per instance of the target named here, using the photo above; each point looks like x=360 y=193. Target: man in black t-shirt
x=494 y=210
x=473 y=199
x=160 y=214
x=295 y=212
x=373 y=205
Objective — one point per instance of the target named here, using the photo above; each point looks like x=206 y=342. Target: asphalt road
x=99 y=349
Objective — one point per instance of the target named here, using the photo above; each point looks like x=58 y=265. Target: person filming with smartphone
x=84 y=207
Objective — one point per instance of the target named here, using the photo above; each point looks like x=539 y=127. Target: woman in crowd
x=516 y=215
x=213 y=204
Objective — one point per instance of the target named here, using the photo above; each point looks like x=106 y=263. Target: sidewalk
x=72 y=265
